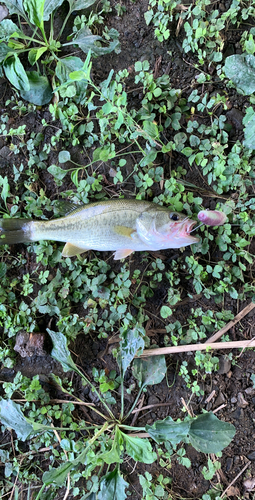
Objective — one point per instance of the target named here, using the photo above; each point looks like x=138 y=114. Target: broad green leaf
x=86 y=41
x=7 y=28
x=49 y=7
x=151 y=129
x=208 y=434
x=240 y=68
x=66 y=66
x=148 y=158
x=35 y=54
x=139 y=449
x=80 y=4
x=35 y=9
x=16 y=73
x=40 y=92
x=149 y=371
x=60 y=351
x=70 y=65
x=168 y=430
x=249 y=131
x=112 y=487
x=131 y=342
x=58 y=475
x=15 y=7
x=114 y=455
x=3 y=269
x=4 y=51
x=58 y=172
x=4 y=184
x=12 y=416
x=64 y=156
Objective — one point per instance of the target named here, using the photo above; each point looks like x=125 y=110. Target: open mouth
x=188 y=227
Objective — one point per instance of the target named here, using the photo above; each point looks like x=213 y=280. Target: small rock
x=5 y=152
x=224 y=365
x=241 y=401
x=219 y=400
x=249 y=483
x=235 y=116
x=30 y=344
x=238 y=414
x=250 y=391
x=153 y=400
x=233 y=491
x=229 y=464
x=251 y=455
x=233 y=400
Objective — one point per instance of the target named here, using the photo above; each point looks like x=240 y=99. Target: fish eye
x=174 y=216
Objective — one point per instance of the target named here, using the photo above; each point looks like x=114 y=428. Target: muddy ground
x=231 y=389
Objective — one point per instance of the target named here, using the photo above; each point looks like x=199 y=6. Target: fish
x=123 y=226
x=212 y=217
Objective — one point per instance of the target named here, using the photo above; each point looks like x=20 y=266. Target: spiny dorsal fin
x=71 y=250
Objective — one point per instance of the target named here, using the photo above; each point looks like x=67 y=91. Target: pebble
x=224 y=365
x=229 y=464
x=233 y=400
x=153 y=400
x=251 y=455
x=241 y=401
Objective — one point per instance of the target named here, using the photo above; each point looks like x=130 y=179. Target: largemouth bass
x=124 y=226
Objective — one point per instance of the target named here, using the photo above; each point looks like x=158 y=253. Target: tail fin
x=15 y=231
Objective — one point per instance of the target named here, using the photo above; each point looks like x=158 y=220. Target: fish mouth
x=186 y=228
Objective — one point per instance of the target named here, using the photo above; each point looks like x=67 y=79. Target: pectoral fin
x=71 y=250
x=122 y=254
x=124 y=231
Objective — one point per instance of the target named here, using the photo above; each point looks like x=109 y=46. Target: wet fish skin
x=122 y=225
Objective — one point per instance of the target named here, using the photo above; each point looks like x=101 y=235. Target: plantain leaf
x=240 y=68
x=131 y=342
x=249 y=131
x=49 y=7
x=208 y=434
x=60 y=351
x=15 y=7
x=69 y=65
x=3 y=269
x=35 y=54
x=168 y=430
x=35 y=9
x=40 y=91
x=80 y=4
x=139 y=449
x=86 y=41
x=149 y=371
x=4 y=51
x=15 y=73
x=7 y=28
x=12 y=416
x=112 y=487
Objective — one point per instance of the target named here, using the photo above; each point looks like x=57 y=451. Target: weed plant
x=87 y=295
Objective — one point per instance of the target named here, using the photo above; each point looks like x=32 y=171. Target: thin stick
x=239 y=344
x=229 y=325
x=234 y=480
x=151 y=406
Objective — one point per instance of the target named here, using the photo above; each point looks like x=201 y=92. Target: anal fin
x=122 y=253
x=71 y=250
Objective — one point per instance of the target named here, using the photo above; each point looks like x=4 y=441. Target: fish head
x=164 y=229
